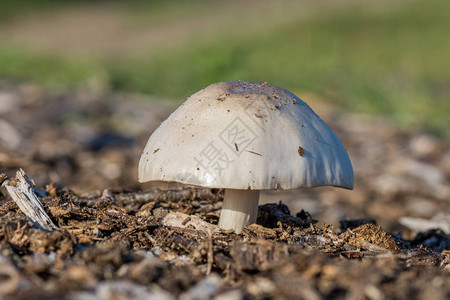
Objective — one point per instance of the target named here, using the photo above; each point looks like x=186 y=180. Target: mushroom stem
x=239 y=209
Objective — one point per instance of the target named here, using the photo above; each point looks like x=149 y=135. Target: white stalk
x=239 y=209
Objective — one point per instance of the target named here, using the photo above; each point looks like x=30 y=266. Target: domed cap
x=246 y=135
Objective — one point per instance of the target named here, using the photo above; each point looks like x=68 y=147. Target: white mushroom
x=245 y=137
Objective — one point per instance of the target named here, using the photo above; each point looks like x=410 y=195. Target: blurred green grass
x=393 y=63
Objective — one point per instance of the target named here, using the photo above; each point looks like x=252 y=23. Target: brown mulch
x=106 y=237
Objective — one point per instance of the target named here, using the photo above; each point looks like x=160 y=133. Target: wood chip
x=23 y=193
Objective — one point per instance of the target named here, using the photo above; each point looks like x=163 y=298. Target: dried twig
x=23 y=193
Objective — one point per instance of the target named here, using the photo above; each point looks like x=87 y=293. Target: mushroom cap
x=246 y=135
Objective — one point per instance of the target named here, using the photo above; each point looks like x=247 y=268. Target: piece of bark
x=180 y=220
x=23 y=193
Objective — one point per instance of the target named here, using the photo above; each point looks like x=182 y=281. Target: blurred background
x=84 y=83
x=384 y=57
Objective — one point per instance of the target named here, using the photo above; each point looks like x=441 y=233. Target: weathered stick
x=23 y=193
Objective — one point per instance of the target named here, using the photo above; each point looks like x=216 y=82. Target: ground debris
x=269 y=215
x=352 y=224
x=432 y=239
x=257 y=255
x=23 y=191
x=423 y=257
x=370 y=237
x=181 y=220
x=119 y=242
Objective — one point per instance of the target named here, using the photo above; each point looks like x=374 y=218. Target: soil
x=117 y=239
